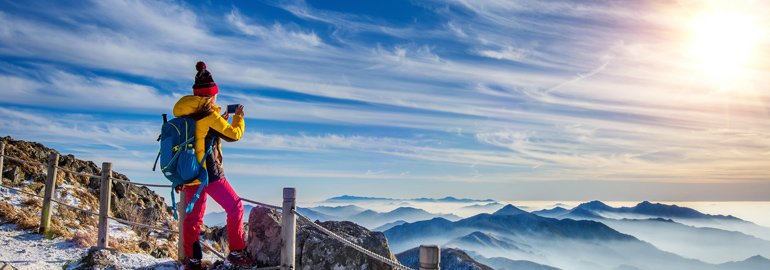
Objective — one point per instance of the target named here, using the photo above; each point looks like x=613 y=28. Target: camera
x=231 y=108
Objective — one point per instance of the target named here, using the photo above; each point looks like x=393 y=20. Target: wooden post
x=430 y=257
x=289 y=228
x=180 y=209
x=2 y=153
x=104 y=205
x=50 y=186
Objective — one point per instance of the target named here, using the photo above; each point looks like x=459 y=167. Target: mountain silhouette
x=509 y=210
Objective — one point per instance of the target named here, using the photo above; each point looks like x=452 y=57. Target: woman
x=210 y=126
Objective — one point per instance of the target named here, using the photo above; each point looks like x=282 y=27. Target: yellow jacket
x=209 y=127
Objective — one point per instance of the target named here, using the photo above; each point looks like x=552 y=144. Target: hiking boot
x=193 y=264
x=238 y=258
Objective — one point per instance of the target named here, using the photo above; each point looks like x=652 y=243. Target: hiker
x=211 y=126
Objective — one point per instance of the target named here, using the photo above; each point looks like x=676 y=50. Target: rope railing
x=126 y=222
x=138 y=184
x=78 y=173
x=373 y=255
x=92 y=213
x=262 y=204
x=21 y=191
x=24 y=161
x=58 y=202
x=75 y=208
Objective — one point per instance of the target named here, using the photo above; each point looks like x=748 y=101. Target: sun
x=723 y=41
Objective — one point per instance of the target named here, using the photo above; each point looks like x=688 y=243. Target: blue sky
x=506 y=100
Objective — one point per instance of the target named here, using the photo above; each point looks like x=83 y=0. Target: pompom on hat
x=204 y=83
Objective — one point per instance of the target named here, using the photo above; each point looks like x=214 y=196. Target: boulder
x=15 y=174
x=6 y=266
x=97 y=258
x=264 y=236
x=315 y=250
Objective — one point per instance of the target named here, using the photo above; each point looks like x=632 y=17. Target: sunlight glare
x=724 y=41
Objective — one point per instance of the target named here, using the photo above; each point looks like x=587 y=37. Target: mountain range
x=364 y=217
x=592 y=235
x=513 y=235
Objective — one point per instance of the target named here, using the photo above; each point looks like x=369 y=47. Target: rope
x=376 y=256
x=140 y=225
x=138 y=184
x=1 y=185
x=203 y=243
x=73 y=207
x=24 y=161
x=262 y=204
x=77 y=173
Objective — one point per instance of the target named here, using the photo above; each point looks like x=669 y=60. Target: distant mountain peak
x=758 y=258
x=595 y=206
x=509 y=210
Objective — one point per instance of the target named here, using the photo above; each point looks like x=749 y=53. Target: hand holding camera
x=234 y=109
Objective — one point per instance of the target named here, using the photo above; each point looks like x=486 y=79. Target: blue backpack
x=177 y=157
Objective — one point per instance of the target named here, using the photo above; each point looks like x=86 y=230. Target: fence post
x=289 y=228
x=50 y=186
x=2 y=153
x=430 y=257
x=104 y=205
x=181 y=210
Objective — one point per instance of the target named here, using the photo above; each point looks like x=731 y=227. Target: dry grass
x=84 y=240
x=7 y=211
x=37 y=188
x=69 y=217
x=33 y=203
x=128 y=211
x=125 y=246
x=87 y=199
x=22 y=217
x=56 y=231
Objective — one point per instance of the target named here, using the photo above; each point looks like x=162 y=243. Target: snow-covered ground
x=29 y=250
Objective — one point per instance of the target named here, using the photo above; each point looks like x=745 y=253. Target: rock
x=152 y=215
x=6 y=266
x=15 y=174
x=160 y=253
x=315 y=250
x=97 y=258
x=264 y=241
x=120 y=189
x=144 y=245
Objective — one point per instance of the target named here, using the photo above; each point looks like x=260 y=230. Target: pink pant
x=225 y=196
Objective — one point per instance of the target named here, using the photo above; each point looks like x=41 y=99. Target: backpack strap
x=204 y=182
x=156 y=161
x=173 y=200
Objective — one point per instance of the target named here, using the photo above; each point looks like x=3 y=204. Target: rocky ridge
x=129 y=202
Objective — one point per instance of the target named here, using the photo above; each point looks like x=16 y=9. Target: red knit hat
x=204 y=83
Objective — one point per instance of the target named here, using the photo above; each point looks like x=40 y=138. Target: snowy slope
x=29 y=250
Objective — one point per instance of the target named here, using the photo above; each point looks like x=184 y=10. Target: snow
x=29 y=250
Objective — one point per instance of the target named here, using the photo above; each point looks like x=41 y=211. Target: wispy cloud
x=474 y=91
x=278 y=34
x=49 y=87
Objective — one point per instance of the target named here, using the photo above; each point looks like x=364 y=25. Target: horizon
x=510 y=101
